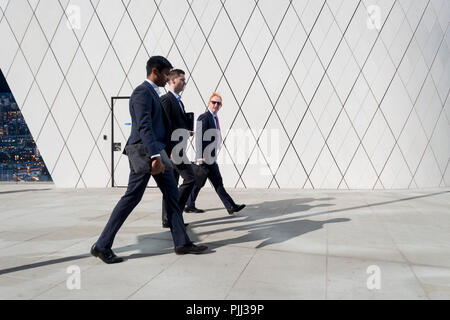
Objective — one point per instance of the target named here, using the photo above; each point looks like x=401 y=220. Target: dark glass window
x=20 y=159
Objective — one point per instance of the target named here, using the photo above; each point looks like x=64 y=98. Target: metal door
x=120 y=132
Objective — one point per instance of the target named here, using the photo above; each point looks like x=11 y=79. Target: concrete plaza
x=287 y=244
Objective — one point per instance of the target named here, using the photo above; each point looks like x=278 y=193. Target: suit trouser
x=185 y=189
x=137 y=185
x=216 y=179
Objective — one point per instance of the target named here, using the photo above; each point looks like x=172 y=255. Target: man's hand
x=201 y=161
x=157 y=166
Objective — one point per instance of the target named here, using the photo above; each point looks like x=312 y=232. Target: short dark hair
x=159 y=63
x=176 y=73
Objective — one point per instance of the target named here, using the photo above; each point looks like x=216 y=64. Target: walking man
x=149 y=127
x=208 y=126
x=176 y=112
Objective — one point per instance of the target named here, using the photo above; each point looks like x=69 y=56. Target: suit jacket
x=177 y=118
x=149 y=124
x=206 y=144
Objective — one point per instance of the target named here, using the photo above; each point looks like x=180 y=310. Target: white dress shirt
x=155 y=87
x=179 y=100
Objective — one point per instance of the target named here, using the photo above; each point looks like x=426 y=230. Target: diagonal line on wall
x=248 y=90
x=308 y=34
x=175 y=44
x=298 y=88
x=273 y=104
x=19 y=42
x=245 y=96
x=181 y=27
x=228 y=85
x=370 y=91
x=266 y=92
x=343 y=103
x=334 y=89
x=191 y=141
x=361 y=74
x=126 y=74
x=312 y=99
x=34 y=78
x=3 y=11
x=191 y=71
x=203 y=47
x=361 y=86
x=445 y=171
x=387 y=90
x=222 y=71
x=428 y=143
x=49 y=109
x=19 y=49
x=396 y=72
x=107 y=99
x=326 y=74
x=57 y=94
x=417 y=98
x=415 y=102
x=73 y=95
x=80 y=107
x=140 y=45
x=79 y=47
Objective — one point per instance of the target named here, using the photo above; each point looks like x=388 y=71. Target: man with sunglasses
x=208 y=141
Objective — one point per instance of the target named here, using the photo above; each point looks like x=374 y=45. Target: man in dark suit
x=208 y=129
x=151 y=128
x=176 y=112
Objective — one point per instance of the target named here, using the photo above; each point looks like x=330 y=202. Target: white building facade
x=336 y=94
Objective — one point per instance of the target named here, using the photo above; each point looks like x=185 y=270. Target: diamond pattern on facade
x=350 y=106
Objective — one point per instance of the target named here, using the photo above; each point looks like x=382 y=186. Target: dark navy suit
x=176 y=113
x=206 y=144
x=151 y=127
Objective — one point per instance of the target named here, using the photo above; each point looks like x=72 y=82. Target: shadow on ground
x=284 y=228
x=275 y=231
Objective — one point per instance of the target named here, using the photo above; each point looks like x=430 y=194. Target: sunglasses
x=216 y=102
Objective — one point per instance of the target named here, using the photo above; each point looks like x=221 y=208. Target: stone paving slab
x=287 y=244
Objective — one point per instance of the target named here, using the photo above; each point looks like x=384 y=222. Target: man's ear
x=155 y=71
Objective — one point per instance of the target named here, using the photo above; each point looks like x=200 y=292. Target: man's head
x=177 y=80
x=158 y=69
x=215 y=102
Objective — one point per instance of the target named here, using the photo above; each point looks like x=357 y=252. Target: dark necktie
x=220 y=132
x=181 y=104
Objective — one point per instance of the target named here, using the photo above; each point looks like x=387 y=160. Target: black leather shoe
x=106 y=256
x=194 y=210
x=193 y=249
x=167 y=226
x=236 y=208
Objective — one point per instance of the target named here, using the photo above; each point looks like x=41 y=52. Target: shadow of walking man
x=267 y=209
x=274 y=232
x=287 y=225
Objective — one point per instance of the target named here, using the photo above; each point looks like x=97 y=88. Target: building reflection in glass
x=20 y=159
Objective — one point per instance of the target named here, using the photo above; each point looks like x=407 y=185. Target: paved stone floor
x=287 y=244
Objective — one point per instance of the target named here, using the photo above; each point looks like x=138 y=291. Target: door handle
x=117 y=146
